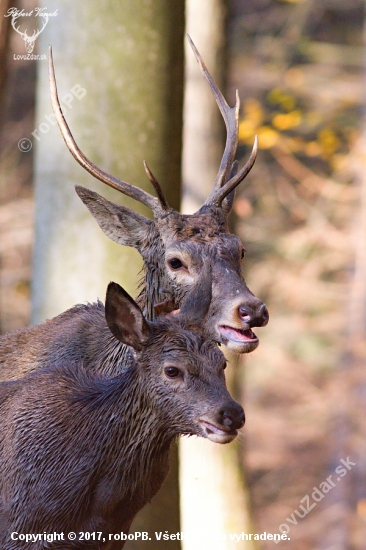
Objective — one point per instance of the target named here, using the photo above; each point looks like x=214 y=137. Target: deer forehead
x=175 y=340
x=197 y=227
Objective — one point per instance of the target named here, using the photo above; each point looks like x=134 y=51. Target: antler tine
x=122 y=186
x=227 y=203
x=231 y=118
x=217 y=197
x=163 y=202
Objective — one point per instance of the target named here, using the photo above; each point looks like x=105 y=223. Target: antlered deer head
x=174 y=246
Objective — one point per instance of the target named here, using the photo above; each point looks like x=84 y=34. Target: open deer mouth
x=217 y=434
x=238 y=335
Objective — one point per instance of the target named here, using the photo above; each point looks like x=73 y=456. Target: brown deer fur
x=80 y=451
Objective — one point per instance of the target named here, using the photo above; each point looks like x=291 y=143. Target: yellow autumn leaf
x=329 y=141
x=278 y=97
x=246 y=130
x=274 y=96
x=288 y=103
x=286 y=121
x=267 y=136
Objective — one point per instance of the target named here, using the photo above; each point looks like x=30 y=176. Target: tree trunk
x=128 y=56
x=4 y=41
x=214 y=498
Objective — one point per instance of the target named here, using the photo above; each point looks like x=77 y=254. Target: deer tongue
x=237 y=335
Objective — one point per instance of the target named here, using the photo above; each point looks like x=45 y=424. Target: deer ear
x=122 y=225
x=124 y=318
x=196 y=305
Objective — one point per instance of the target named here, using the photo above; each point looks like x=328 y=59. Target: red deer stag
x=173 y=245
x=83 y=452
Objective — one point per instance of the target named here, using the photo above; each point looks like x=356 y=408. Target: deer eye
x=175 y=263
x=172 y=372
x=242 y=253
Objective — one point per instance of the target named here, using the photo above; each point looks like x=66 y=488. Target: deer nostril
x=254 y=318
x=244 y=314
x=234 y=420
x=226 y=420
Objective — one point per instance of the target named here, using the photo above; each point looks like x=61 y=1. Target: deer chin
x=238 y=340
x=217 y=434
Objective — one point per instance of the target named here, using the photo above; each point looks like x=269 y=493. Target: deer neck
x=154 y=285
x=131 y=413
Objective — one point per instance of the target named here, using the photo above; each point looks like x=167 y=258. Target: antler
x=157 y=205
x=156 y=186
x=218 y=194
x=222 y=187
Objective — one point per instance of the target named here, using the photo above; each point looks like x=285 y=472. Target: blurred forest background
x=299 y=66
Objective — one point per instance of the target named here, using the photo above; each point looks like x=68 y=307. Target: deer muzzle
x=236 y=328
x=224 y=425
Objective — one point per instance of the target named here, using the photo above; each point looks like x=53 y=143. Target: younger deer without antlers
x=84 y=453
